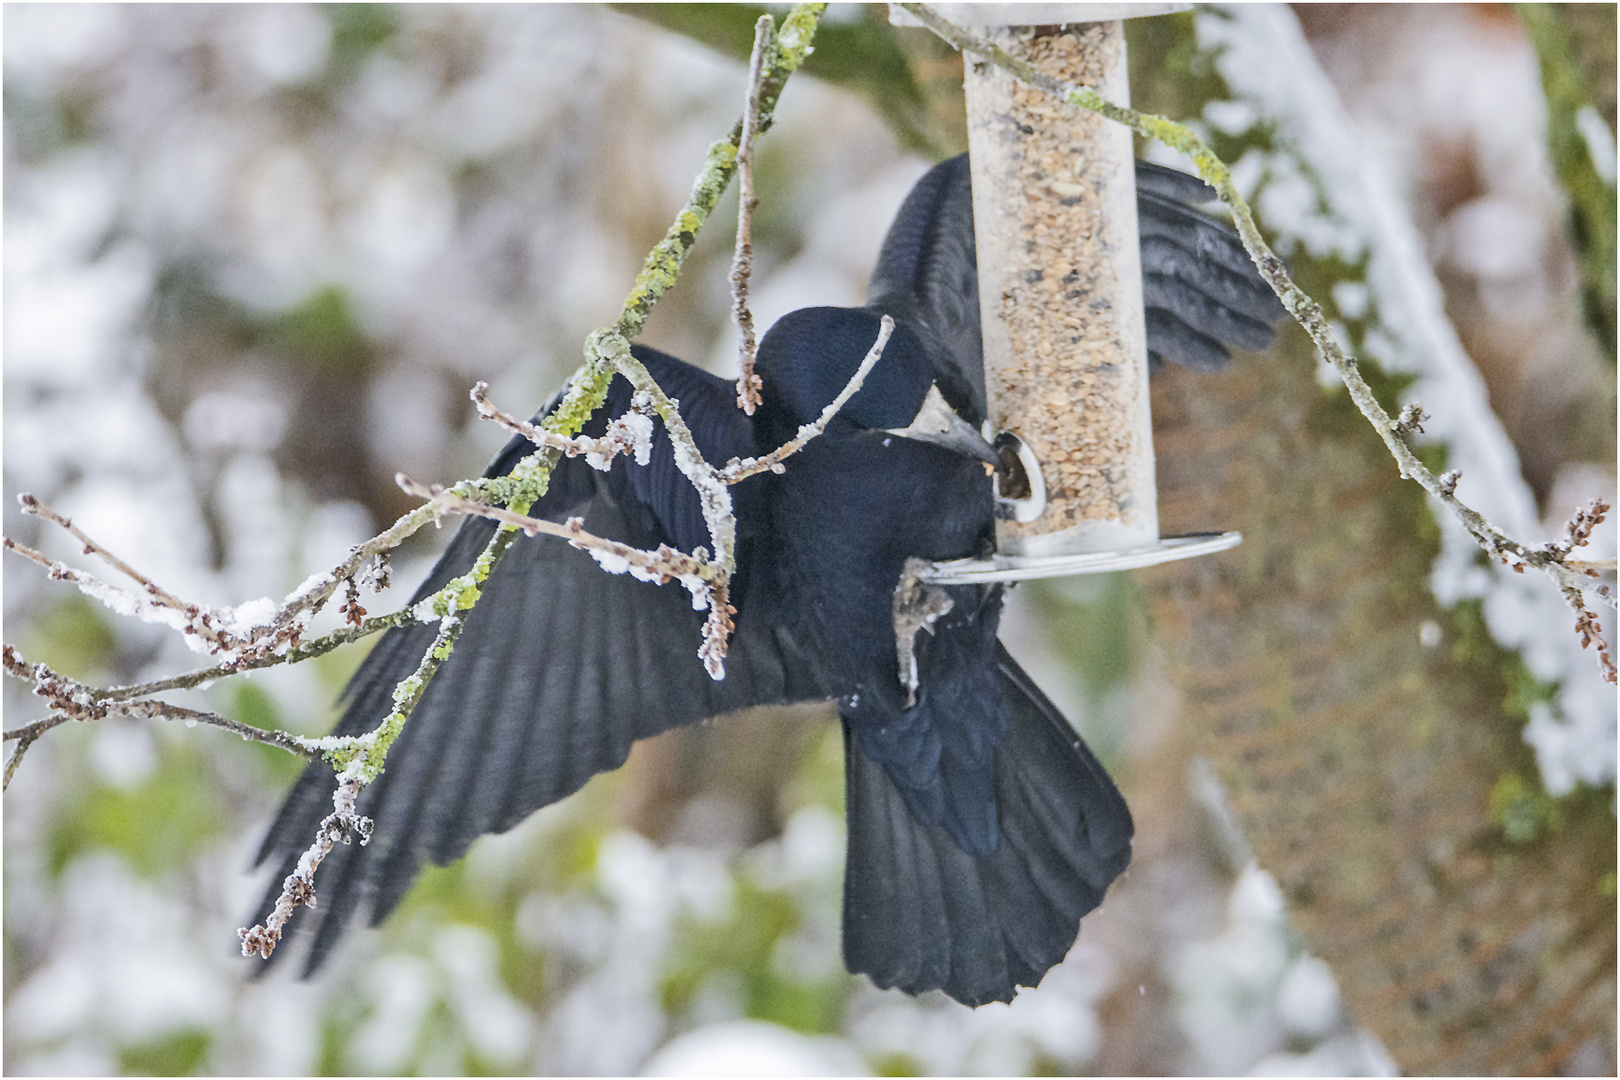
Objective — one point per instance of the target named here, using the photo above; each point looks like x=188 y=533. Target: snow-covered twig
x=299 y=886
x=659 y=566
x=714 y=495
x=155 y=604
x=159 y=597
x=742 y=262
x=1306 y=311
x=607 y=350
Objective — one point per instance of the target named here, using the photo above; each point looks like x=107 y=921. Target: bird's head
x=809 y=356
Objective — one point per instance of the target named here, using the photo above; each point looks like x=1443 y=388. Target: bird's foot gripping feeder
x=1060 y=297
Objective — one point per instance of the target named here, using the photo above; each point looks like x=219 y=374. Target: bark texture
x=1362 y=762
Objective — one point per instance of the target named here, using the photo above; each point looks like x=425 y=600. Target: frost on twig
x=742 y=263
x=706 y=577
x=262 y=633
x=241 y=636
x=299 y=886
x=255 y=635
x=1411 y=419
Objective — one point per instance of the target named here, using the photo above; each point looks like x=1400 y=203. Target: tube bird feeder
x=1060 y=298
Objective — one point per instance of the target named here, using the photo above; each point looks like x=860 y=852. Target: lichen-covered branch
x=627 y=434
x=273 y=634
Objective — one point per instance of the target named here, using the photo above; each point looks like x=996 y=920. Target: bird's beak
x=938 y=423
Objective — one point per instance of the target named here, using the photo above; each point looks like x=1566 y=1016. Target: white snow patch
x=609 y=561
x=1599 y=142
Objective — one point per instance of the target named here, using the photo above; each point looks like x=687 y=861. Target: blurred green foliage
x=1570 y=44
x=322 y=333
x=161 y=822
x=180 y=1054
x=1523 y=810
x=358 y=30
x=71 y=635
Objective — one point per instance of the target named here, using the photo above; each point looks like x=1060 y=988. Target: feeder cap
x=1035 y=14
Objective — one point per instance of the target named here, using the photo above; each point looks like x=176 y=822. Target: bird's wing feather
x=558 y=671
x=920 y=913
x=927 y=277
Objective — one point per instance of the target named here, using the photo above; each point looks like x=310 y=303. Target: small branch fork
x=1551 y=559
x=736 y=470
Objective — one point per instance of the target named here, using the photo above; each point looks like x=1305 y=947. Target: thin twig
x=1590 y=633
x=714 y=496
x=306 y=650
x=30 y=732
x=157 y=607
x=70 y=699
x=16 y=759
x=159 y=595
x=742 y=262
x=1307 y=312
x=706 y=580
x=258 y=646
x=736 y=470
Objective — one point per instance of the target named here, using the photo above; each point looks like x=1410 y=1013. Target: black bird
x=981 y=828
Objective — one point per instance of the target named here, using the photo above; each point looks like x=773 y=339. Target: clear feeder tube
x=1060 y=290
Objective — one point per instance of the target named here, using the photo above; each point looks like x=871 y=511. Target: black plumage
x=981 y=828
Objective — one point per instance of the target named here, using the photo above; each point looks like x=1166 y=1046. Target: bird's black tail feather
x=922 y=914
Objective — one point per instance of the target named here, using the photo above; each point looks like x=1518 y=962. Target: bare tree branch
x=69 y=699
x=625 y=435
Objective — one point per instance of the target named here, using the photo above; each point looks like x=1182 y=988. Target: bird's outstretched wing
x=921 y=913
x=560 y=668
x=1201 y=293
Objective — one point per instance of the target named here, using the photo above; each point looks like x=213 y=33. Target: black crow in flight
x=981 y=828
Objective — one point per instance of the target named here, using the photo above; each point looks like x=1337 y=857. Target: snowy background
x=254 y=259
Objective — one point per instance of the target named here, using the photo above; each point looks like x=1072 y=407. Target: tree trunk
x=1370 y=741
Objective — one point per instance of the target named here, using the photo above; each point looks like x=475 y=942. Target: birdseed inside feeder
x=1060 y=295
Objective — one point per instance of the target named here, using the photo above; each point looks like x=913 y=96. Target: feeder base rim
x=1030 y=567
